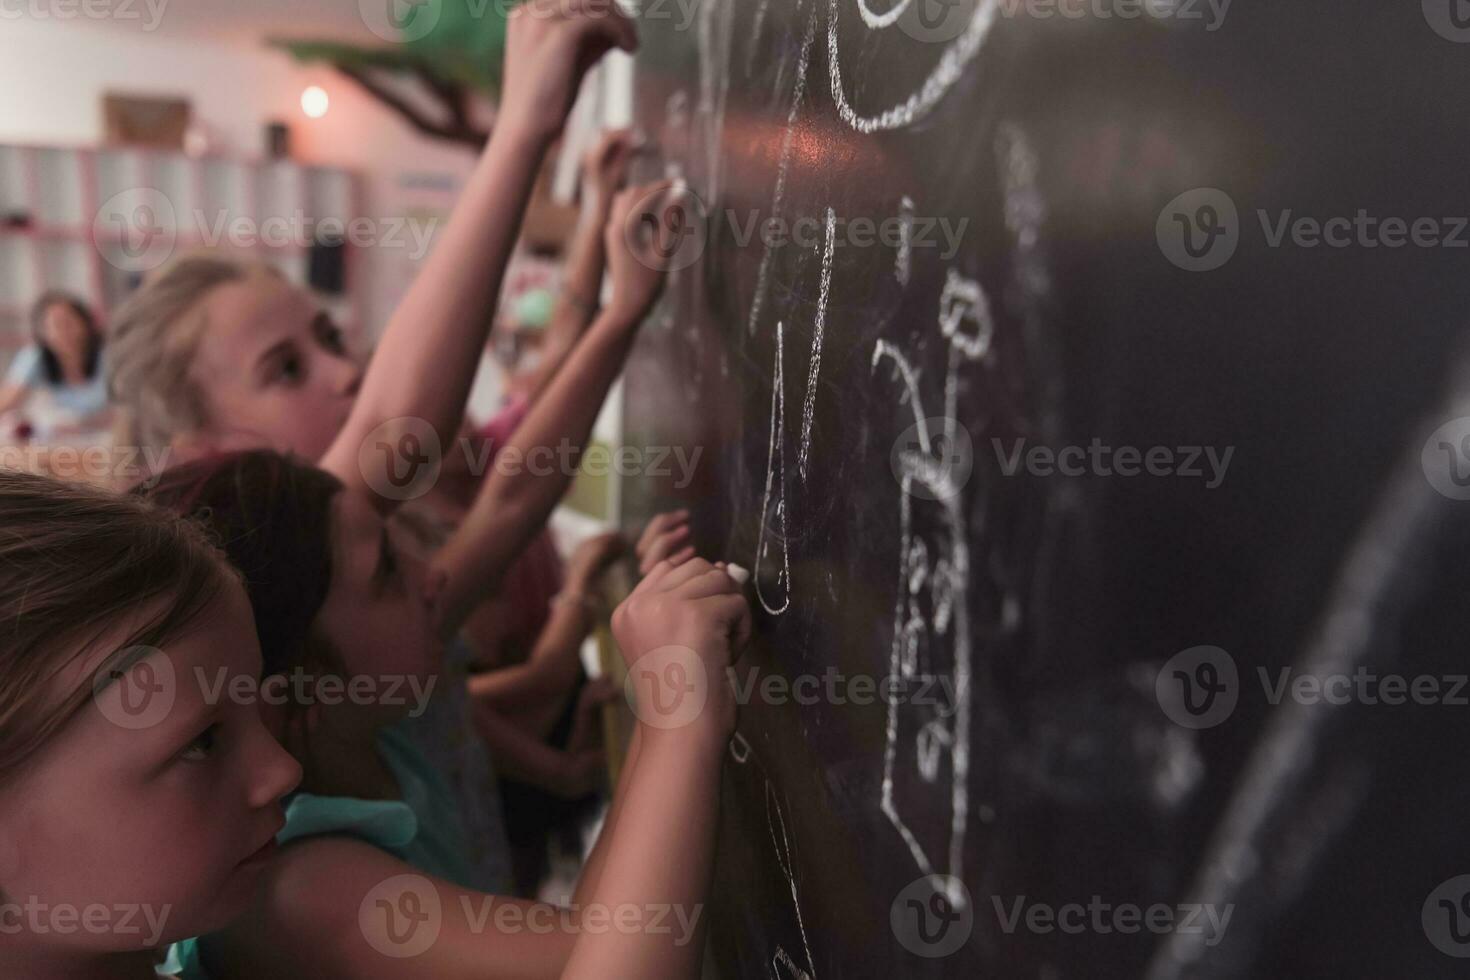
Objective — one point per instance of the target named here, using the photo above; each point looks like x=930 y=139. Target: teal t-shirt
x=447 y=822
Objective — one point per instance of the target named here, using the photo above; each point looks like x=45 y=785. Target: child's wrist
x=702 y=741
x=526 y=127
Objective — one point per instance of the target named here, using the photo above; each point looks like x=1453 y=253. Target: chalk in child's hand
x=740 y=575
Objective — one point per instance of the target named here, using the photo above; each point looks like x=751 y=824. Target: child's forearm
x=530 y=476
x=426 y=362
x=538 y=688
x=577 y=302
x=591 y=876
x=519 y=755
x=660 y=856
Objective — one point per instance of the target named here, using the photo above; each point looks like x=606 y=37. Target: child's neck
x=342 y=758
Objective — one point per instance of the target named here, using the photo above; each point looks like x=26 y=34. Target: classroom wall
x=53 y=75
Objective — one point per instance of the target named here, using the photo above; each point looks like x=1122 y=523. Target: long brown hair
x=272 y=515
x=74 y=563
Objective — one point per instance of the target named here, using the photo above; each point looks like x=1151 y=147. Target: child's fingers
x=664 y=547
x=603 y=17
x=682 y=555
x=657 y=526
x=654 y=579
x=713 y=582
x=693 y=568
x=732 y=615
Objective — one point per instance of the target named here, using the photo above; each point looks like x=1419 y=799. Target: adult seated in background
x=56 y=389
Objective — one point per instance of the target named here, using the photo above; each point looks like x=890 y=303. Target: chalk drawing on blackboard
x=964 y=317
x=777 y=821
x=873 y=19
x=950 y=68
x=783 y=967
x=783 y=165
x=713 y=38
x=931 y=631
x=903 y=261
x=773 y=506
x=739 y=748
x=819 y=329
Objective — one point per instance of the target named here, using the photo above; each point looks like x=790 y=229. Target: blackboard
x=1071 y=155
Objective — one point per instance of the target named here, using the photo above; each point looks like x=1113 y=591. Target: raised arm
x=581 y=287
x=426 y=361
x=536 y=466
x=661 y=850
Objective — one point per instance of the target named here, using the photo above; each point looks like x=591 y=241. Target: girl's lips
x=261 y=856
x=268 y=849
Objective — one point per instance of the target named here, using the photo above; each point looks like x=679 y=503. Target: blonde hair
x=74 y=562
x=152 y=344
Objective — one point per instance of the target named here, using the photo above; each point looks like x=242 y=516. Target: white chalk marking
x=739 y=748
x=783 y=164
x=775 y=475
x=957 y=56
x=904 y=260
x=819 y=329
x=916 y=574
x=783 y=858
x=873 y=19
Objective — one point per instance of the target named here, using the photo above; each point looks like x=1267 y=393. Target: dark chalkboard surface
x=1023 y=388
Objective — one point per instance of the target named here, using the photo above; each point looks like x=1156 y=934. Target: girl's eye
x=203 y=745
x=329 y=335
x=290 y=371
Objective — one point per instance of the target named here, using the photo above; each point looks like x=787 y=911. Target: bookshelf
x=94 y=221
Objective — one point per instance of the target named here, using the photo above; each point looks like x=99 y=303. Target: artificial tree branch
x=453 y=96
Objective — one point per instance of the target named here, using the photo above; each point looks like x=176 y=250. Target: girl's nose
x=277 y=772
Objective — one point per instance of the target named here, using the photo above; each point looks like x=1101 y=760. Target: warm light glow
x=314 y=102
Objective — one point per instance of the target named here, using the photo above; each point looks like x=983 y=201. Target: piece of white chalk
x=740 y=575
